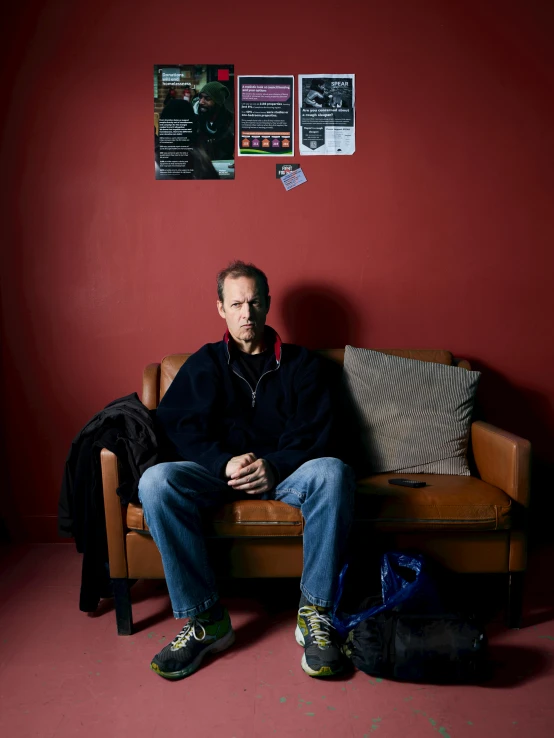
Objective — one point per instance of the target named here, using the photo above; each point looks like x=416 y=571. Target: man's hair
x=238 y=269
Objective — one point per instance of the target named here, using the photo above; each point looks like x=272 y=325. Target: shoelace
x=188 y=632
x=319 y=624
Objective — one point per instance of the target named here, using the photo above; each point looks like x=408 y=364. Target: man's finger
x=247 y=483
x=245 y=471
x=240 y=483
x=241 y=473
x=248 y=486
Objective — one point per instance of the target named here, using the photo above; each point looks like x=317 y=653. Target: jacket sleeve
x=307 y=433
x=188 y=415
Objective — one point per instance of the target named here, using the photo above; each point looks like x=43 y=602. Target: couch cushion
x=447 y=502
x=258 y=518
x=243 y=518
x=455 y=502
x=414 y=416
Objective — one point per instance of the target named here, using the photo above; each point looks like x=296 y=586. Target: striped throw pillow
x=414 y=415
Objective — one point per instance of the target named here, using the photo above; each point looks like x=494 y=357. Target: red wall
x=438 y=232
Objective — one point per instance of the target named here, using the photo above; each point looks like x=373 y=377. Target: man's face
x=244 y=309
x=206 y=104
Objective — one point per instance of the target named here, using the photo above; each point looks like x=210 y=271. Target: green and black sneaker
x=200 y=637
x=322 y=653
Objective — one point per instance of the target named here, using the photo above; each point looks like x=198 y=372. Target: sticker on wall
x=326 y=120
x=266 y=115
x=282 y=169
x=194 y=121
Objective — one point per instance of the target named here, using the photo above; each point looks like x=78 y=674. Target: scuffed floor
x=63 y=673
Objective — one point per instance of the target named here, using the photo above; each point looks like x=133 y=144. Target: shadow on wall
x=318 y=316
x=526 y=413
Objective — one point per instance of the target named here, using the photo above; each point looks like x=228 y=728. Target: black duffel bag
x=407 y=633
x=411 y=647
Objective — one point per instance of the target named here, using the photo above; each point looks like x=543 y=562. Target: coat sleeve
x=188 y=414
x=307 y=433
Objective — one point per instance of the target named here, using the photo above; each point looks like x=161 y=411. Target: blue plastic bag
x=396 y=589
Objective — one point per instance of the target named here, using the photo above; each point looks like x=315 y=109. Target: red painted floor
x=63 y=673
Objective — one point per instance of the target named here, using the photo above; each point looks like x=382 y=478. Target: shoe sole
x=216 y=647
x=325 y=671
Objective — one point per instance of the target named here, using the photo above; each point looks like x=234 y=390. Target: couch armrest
x=114 y=515
x=502 y=459
x=151 y=386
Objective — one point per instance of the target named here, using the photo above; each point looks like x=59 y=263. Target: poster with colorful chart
x=266 y=115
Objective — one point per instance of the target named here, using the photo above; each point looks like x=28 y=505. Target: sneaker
x=322 y=654
x=200 y=636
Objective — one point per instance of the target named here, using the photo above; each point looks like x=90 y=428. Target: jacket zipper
x=253 y=391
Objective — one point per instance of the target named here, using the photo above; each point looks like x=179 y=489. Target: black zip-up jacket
x=211 y=412
x=127 y=428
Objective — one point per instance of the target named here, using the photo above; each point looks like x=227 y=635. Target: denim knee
x=332 y=469
x=336 y=476
x=153 y=483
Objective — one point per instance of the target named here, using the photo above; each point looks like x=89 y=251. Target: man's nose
x=247 y=311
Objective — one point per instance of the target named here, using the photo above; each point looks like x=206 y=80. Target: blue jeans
x=174 y=494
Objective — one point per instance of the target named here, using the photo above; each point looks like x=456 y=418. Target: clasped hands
x=248 y=474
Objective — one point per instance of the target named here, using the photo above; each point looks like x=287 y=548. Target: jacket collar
x=271 y=337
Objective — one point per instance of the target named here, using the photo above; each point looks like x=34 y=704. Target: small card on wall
x=293 y=179
x=283 y=169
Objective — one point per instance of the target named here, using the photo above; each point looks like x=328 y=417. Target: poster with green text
x=194 y=121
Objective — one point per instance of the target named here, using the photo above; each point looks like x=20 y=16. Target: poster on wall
x=266 y=115
x=194 y=121
x=326 y=114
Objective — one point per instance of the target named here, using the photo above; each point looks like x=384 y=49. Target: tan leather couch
x=469 y=524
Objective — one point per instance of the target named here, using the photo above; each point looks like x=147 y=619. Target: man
x=250 y=417
x=216 y=131
x=316 y=97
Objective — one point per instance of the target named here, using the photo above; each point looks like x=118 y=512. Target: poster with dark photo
x=326 y=114
x=194 y=121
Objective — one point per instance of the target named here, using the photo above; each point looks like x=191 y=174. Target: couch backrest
x=169 y=368
x=157 y=378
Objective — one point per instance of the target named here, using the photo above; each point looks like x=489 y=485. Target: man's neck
x=251 y=347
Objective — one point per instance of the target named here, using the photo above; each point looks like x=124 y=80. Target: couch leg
x=123 y=611
x=515 y=599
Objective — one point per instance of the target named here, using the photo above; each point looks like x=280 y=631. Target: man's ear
x=220 y=309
